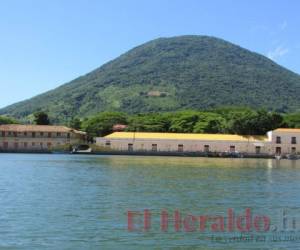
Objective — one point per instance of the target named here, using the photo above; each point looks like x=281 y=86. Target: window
x=33 y=144
x=68 y=135
x=206 y=148
x=49 y=135
x=293 y=150
x=278 y=139
x=5 y=145
x=3 y=133
x=33 y=134
x=16 y=145
x=25 y=133
x=278 y=150
x=180 y=147
x=107 y=143
x=293 y=140
x=41 y=144
x=25 y=144
x=58 y=134
x=257 y=149
x=154 y=147
x=41 y=133
x=15 y=134
x=130 y=147
x=232 y=149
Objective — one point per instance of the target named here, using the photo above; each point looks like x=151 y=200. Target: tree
x=102 y=124
x=255 y=122
x=210 y=123
x=75 y=123
x=7 y=120
x=41 y=118
x=153 y=122
x=292 y=120
x=184 y=122
x=244 y=121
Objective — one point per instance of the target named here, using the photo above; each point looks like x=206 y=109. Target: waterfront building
x=285 y=141
x=36 y=138
x=277 y=142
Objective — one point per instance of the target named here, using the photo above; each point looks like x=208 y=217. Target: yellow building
x=268 y=145
x=36 y=138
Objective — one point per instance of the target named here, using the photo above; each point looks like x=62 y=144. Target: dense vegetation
x=242 y=121
x=7 y=120
x=233 y=120
x=168 y=74
x=41 y=118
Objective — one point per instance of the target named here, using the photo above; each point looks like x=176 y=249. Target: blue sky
x=44 y=44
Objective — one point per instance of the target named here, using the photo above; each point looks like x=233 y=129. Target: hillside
x=168 y=74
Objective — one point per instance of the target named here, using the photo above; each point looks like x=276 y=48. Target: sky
x=44 y=44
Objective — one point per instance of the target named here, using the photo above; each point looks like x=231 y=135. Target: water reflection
x=80 y=202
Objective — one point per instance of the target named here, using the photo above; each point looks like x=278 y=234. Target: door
x=130 y=147
x=257 y=149
x=206 y=148
x=278 y=150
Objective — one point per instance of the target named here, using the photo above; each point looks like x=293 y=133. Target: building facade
x=277 y=142
x=38 y=138
x=285 y=141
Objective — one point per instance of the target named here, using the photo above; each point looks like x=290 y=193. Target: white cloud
x=279 y=51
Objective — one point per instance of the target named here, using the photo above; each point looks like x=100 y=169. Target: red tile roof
x=287 y=130
x=38 y=128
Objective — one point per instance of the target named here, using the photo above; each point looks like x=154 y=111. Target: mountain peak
x=184 y=72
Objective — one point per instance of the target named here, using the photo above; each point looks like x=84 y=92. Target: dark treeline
x=244 y=121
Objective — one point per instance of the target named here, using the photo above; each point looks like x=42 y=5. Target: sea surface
x=82 y=202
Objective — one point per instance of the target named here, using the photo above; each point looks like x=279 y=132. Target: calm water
x=81 y=202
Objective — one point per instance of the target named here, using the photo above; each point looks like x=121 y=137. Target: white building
x=277 y=142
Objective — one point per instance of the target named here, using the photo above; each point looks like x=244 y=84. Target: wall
x=286 y=143
x=188 y=145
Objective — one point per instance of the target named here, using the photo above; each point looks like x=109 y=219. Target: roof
x=182 y=136
x=119 y=127
x=37 y=128
x=292 y=130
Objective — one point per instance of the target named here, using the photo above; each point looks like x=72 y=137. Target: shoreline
x=161 y=153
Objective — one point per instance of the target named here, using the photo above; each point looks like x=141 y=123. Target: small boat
x=81 y=149
x=78 y=151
